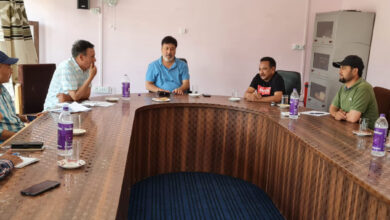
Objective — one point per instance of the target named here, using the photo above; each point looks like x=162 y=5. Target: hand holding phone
x=40 y=188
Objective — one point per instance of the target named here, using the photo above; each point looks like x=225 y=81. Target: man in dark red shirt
x=267 y=85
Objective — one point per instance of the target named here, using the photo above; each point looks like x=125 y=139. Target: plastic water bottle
x=380 y=133
x=294 y=102
x=65 y=132
x=126 y=88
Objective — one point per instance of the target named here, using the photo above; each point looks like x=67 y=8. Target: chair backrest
x=291 y=80
x=382 y=96
x=35 y=80
x=184 y=60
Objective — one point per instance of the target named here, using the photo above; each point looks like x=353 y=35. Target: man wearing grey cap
x=356 y=98
x=10 y=123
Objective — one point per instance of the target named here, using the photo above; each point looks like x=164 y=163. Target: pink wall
x=378 y=69
x=59 y=27
x=224 y=43
x=225 y=39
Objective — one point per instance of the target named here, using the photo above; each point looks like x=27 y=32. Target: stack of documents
x=97 y=103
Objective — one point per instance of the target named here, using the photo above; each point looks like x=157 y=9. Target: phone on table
x=27 y=146
x=40 y=188
x=163 y=94
x=206 y=95
x=31 y=118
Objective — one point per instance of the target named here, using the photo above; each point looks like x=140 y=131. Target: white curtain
x=15 y=34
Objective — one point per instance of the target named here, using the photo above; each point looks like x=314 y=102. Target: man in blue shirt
x=10 y=123
x=168 y=73
x=72 y=79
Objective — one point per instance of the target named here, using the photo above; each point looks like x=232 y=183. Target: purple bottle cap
x=382 y=115
x=65 y=108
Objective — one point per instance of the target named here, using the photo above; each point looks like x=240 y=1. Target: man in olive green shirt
x=356 y=99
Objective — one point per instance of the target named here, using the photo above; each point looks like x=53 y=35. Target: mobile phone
x=27 y=145
x=31 y=117
x=206 y=95
x=40 y=188
x=163 y=94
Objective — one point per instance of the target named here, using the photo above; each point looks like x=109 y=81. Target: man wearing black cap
x=10 y=123
x=356 y=99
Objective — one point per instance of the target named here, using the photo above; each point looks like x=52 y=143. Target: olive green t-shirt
x=359 y=97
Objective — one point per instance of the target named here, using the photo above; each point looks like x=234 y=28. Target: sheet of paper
x=73 y=108
x=315 y=113
x=97 y=103
x=25 y=161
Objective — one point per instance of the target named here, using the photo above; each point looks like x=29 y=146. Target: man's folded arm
x=353 y=116
x=277 y=97
x=5 y=134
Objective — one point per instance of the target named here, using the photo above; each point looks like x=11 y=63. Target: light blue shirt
x=168 y=79
x=68 y=76
x=10 y=120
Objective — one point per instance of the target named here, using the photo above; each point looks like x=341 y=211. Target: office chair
x=291 y=80
x=382 y=96
x=35 y=80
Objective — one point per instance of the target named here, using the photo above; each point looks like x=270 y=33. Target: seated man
x=10 y=123
x=72 y=79
x=7 y=163
x=268 y=85
x=168 y=73
x=356 y=98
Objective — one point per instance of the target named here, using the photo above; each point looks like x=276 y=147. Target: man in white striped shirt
x=10 y=123
x=72 y=79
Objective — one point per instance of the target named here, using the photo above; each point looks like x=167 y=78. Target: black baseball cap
x=4 y=59
x=352 y=61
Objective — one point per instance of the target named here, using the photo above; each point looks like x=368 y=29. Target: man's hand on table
x=253 y=97
x=178 y=91
x=8 y=156
x=340 y=115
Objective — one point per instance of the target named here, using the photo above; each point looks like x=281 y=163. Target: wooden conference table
x=312 y=167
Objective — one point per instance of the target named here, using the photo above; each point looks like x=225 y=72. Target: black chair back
x=35 y=80
x=291 y=80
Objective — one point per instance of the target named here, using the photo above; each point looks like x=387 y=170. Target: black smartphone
x=163 y=94
x=31 y=117
x=27 y=145
x=40 y=188
x=206 y=95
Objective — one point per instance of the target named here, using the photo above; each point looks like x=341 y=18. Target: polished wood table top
x=93 y=191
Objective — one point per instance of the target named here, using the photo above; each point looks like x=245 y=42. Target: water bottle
x=126 y=88
x=294 y=102
x=380 y=133
x=65 y=132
